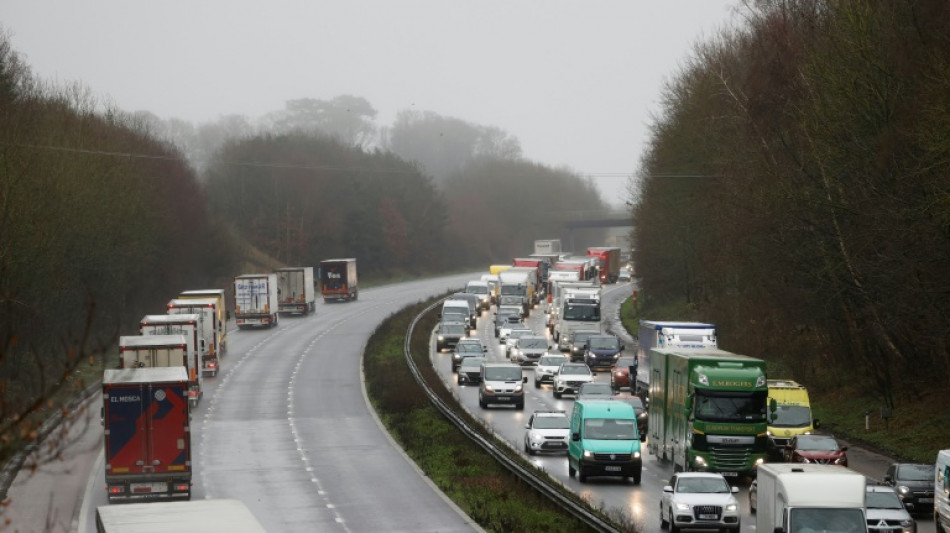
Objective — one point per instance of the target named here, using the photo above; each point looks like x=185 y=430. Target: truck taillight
x=180 y=487
x=116 y=490
x=192 y=394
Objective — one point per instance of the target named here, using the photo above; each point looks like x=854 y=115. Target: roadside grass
x=493 y=497
x=919 y=425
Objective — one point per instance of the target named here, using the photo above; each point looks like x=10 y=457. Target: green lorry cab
x=604 y=440
x=708 y=410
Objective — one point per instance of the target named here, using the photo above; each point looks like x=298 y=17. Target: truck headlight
x=699 y=461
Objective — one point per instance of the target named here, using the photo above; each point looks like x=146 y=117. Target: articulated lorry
x=295 y=290
x=608 y=258
x=578 y=308
x=138 y=351
x=789 y=415
x=147 y=425
x=670 y=334
x=209 y=328
x=198 y=516
x=338 y=280
x=221 y=309
x=516 y=288
x=708 y=410
x=794 y=497
x=255 y=301
x=547 y=246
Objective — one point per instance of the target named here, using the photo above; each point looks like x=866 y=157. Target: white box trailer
x=296 y=292
x=161 y=351
x=209 y=327
x=196 y=516
x=671 y=334
x=188 y=325
x=221 y=308
x=792 y=497
x=255 y=300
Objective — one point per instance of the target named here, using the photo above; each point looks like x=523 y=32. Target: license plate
x=926 y=500
x=147 y=488
x=612 y=468
x=730 y=474
x=504 y=399
x=708 y=517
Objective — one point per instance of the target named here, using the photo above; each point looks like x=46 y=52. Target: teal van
x=604 y=440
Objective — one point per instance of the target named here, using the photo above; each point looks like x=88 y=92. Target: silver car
x=885 y=511
x=699 y=500
x=527 y=350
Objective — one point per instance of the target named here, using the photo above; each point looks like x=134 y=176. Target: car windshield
x=533 y=343
x=610 y=429
x=453 y=328
x=575 y=370
x=625 y=362
x=509 y=310
x=514 y=319
x=823 y=444
x=580 y=337
x=551 y=360
x=915 y=472
x=518 y=333
x=603 y=343
x=471 y=363
x=477 y=289
x=704 y=485
x=551 y=422
x=883 y=500
x=728 y=406
x=503 y=374
x=470 y=348
x=598 y=389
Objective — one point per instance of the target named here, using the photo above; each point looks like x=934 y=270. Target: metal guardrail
x=539 y=482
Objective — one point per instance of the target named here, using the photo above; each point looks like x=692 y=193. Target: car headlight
x=903 y=490
x=518 y=389
x=642 y=415
x=588 y=454
x=489 y=390
x=457 y=357
x=682 y=506
x=907 y=523
x=732 y=507
x=441 y=338
x=635 y=455
x=534 y=437
x=841 y=460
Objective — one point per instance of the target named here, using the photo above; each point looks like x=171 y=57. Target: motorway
x=285 y=428
x=639 y=503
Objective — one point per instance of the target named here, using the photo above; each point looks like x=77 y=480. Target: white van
x=941 y=491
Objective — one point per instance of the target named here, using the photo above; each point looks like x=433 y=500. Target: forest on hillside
x=796 y=192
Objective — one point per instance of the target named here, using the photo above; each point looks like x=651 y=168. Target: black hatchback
x=914 y=484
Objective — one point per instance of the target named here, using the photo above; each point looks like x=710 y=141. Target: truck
x=338 y=280
x=580 y=265
x=942 y=491
x=221 y=309
x=147 y=425
x=789 y=415
x=578 y=308
x=209 y=328
x=497 y=269
x=708 y=410
x=534 y=281
x=188 y=326
x=295 y=290
x=515 y=288
x=255 y=301
x=540 y=271
x=197 y=516
x=555 y=282
x=793 y=497
x=547 y=264
x=672 y=334
x=547 y=246
x=608 y=258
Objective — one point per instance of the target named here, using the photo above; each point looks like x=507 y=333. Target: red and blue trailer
x=147 y=434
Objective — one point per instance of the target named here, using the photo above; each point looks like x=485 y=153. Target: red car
x=620 y=373
x=818 y=449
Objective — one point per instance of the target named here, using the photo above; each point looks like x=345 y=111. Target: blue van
x=604 y=440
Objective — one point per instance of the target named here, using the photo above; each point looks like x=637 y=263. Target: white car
x=512 y=338
x=886 y=512
x=570 y=377
x=548 y=431
x=699 y=500
x=547 y=367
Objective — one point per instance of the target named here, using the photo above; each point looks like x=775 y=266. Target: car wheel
x=636 y=477
x=557 y=395
x=581 y=476
x=520 y=406
x=482 y=404
x=664 y=523
x=537 y=384
x=527 y=449
x=570 y=469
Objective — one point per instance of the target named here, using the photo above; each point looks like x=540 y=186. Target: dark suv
x=449 y=333
x=914 y=484
x=602 y=351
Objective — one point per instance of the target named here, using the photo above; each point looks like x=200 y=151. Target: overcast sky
x=575 y=81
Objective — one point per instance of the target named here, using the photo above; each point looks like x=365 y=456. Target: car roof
x=541 y=412
x=473 y=361
x=681 y=475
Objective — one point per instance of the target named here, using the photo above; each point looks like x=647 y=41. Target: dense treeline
x=99 y=224
x=302 y=198
x=796 y=191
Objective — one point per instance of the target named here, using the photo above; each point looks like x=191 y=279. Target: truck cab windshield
x=729 y=406
x=586 y=312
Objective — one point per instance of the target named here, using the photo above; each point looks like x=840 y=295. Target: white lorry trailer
x=209 y=328
x=196 y=516
x=547 y=246
x=296 y=292
x=669 y=334
x=793 y=497
x=181 y=324
x=221 y=308
x=255 y=300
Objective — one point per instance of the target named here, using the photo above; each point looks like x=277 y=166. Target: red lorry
x=147 y=434
x=609 y=258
